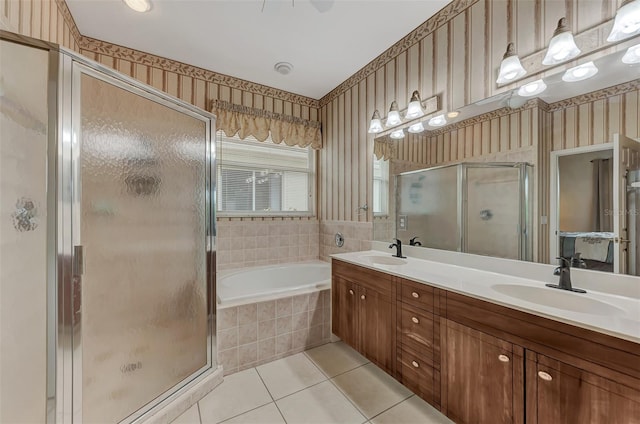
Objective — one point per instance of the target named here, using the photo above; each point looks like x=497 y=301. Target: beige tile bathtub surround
x=357 y=236
x=253 y=334
x=247 y=242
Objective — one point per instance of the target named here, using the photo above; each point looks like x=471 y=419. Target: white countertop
x=600 y=311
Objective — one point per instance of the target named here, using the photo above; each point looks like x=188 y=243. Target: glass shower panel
x=492 y=208
x=143 y=227
x=24 y=77
x=428 y=206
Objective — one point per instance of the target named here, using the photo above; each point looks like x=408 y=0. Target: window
x=262 y=178
x=380 y=186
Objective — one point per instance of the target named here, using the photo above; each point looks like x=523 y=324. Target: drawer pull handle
x=351 y=292
x=415 y=320
x=503 y=358
x=415 y=364
x=414 y=294
x=363 y=297
x=545 y=376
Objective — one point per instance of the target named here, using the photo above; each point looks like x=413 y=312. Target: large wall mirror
x=573 y=187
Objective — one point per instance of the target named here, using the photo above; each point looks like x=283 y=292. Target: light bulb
x=397 y=134
x=627 y=21
x=580 y=73
x=562 y=47
x=394 y=116
x=533 y=88
x=632 y=55
x=376 y=124
x=437 y=121
x=139 y=5
x=416 y=128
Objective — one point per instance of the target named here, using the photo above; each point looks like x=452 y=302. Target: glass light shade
x=533 y=88
x=397 y=134
x=416 y=128
x=627 y=22
x=581 y=72
x=632 y=55
x=437 y=121
x=376 y=124
x=139 y=5
x=562 y=47
x=393 y=118
x=414 y=110
x=510 y=68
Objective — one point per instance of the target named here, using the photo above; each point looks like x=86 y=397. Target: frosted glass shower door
x=493 y=211
x=141 y=218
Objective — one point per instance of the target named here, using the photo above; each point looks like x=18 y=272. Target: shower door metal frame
x=69 y=353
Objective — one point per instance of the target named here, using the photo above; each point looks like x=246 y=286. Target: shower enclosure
x=107 y=254
x=480 y=208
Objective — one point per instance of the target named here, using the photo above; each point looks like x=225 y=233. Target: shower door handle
x=78 y=260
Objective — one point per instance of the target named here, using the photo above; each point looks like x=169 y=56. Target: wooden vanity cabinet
x=363 y=312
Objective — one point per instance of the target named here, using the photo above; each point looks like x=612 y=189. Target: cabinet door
x=344 y=319
x=480 y=375
x=377 y=328
x=560 y=393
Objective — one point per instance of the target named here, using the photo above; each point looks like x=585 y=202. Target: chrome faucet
x=413 y=242
x=398 y=246
x=564 y=271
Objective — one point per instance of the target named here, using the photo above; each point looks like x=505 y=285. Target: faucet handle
x=564 y=262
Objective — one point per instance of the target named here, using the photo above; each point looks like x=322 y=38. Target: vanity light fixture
x=416 y=128
x=437 y=121
x=394 y=115
x=414 y=110
x=562 y=47
x=139 y=5
x=632 y=55
x=510 y=69
x=627 y=21
x=533 y=88
x=397 y=134
x=581 y=72
x=375 y=126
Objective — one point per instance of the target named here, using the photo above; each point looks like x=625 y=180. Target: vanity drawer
x=416 y=329
x=418 y=375
x=416 y=294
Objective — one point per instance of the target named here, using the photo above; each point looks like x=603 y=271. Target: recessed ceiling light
x=579 y=73
x=283 y=68
x=139 y=5
x=532 y=88
x=453 y=114
x=632 y=55
x=437 y=121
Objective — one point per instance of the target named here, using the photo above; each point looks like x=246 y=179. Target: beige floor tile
x=190 y=416
x=267 y=414
x=238 y=393
x=370 y=389
x=321 y=404
x=289 y=375
x=336 y=358
x=411 y=411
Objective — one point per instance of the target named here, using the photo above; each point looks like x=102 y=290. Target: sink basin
x=558 y=299
x=384 y=260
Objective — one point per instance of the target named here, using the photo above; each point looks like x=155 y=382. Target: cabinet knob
x=503 y=358
x=545 y=376
x=415 y=364
x=415 y=320
x=363 y=297
x=414 y=294
x=350 y=291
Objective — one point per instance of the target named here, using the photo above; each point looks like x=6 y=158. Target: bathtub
x=273 y=281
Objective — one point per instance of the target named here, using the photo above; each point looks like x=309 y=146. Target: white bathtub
x=273 y=281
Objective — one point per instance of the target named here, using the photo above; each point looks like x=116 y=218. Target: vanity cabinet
x=363 y=312
x=480 y=362
x=481 y=377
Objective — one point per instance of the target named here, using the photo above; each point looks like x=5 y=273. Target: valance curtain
x=384 y=148
x=245 y=121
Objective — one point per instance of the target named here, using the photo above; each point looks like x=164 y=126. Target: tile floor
x=329 y=384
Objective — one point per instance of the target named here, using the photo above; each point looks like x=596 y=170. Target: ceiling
x=239 y=38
